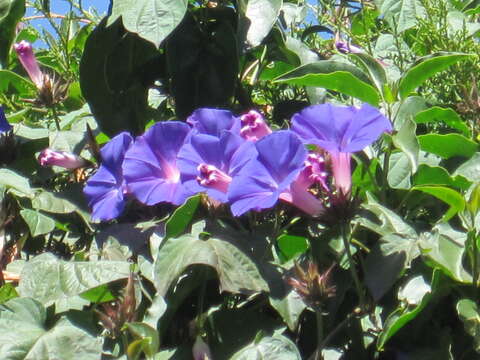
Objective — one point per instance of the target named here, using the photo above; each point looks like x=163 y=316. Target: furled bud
x=27 y=58
x=254 y=126
x=200 y=350
x=49 y=157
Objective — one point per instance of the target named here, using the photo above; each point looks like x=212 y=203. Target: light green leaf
x=48 y=279
x=470 y=169
x=468 y=312
x=399 y=171
x=333 y=75
x=401 y=14
x=38 y=223
x=15 y=181
x=155 y=311
x=153 y=20
x=405 y=139
x=257 y=19
x=447 y=146
x=50 y=202
x=32 y=339
x=425 y=68
x=436 y=175
x=269 y=348
x=414 y=290
x=375 y=71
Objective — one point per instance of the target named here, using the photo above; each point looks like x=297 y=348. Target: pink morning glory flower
x=67 y=160
x=27 y=58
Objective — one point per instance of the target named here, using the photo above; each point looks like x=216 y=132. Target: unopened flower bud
x=254 y=126
x=27 y=58
x=347 y=48
x=49 y=157
x=200 y=350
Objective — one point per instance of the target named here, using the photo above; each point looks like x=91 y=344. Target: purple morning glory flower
x=271 y=176
x=150 y=166
x=105 y=190
x=213 y=121
x=346 y=48
x=4 y=125
x=208 y=163
x=341 y=131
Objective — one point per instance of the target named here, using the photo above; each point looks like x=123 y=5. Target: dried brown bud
x=312 y=286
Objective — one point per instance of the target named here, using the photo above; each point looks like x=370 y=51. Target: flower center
x=211 y=177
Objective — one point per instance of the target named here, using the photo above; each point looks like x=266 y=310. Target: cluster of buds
x=115 y=314
x=311 y=285
x=50 y=89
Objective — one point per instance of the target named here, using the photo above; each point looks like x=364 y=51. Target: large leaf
x=470 y=169
x=153 y=20
x=469 y=313
x=277 y=347
x=401 y=14
x=14 y=181
x=399 y=171
x=333 y=75
x=444 y=248
x=436 y=175
x=112 y=78
x=48 y=279
x=425 y=68
x=405 y=314
x=37 y=222
x=25 y=335
x=257 y=18
x=290 y=307
x=53 y=203
x=447 y=146
x=448 y=116
x=11 y=11
x=237 y=272
x=405 y=139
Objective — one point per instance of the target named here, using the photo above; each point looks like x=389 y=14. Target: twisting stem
x=351 y=263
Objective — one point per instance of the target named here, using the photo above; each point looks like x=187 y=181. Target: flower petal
x=213 y=121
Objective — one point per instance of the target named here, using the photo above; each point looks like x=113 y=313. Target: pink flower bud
x=49 y=157
x=254 y=126
x=200 y=350
x=29 y=62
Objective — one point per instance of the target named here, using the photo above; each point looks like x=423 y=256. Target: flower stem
x=319 y=317
x=351 y=263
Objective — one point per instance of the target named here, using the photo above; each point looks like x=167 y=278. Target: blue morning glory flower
x=150 y=165
x=341 y=131
x=213 y=121
x=4 y=125
x=106 y=189
x=208 y=163
x=268 y=178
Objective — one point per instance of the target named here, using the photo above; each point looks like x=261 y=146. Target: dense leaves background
x=165 y=282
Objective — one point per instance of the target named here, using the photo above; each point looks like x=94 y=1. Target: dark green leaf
x=447 y=146
x=182 y=216
x=448 y=116
x=11 y=11
x=447 y=195
x=112 y=72
x=425 y=68
x=333 y=75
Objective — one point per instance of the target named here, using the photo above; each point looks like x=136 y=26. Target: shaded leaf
x=333 y=75
x=447 y=195
x=468 y=312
